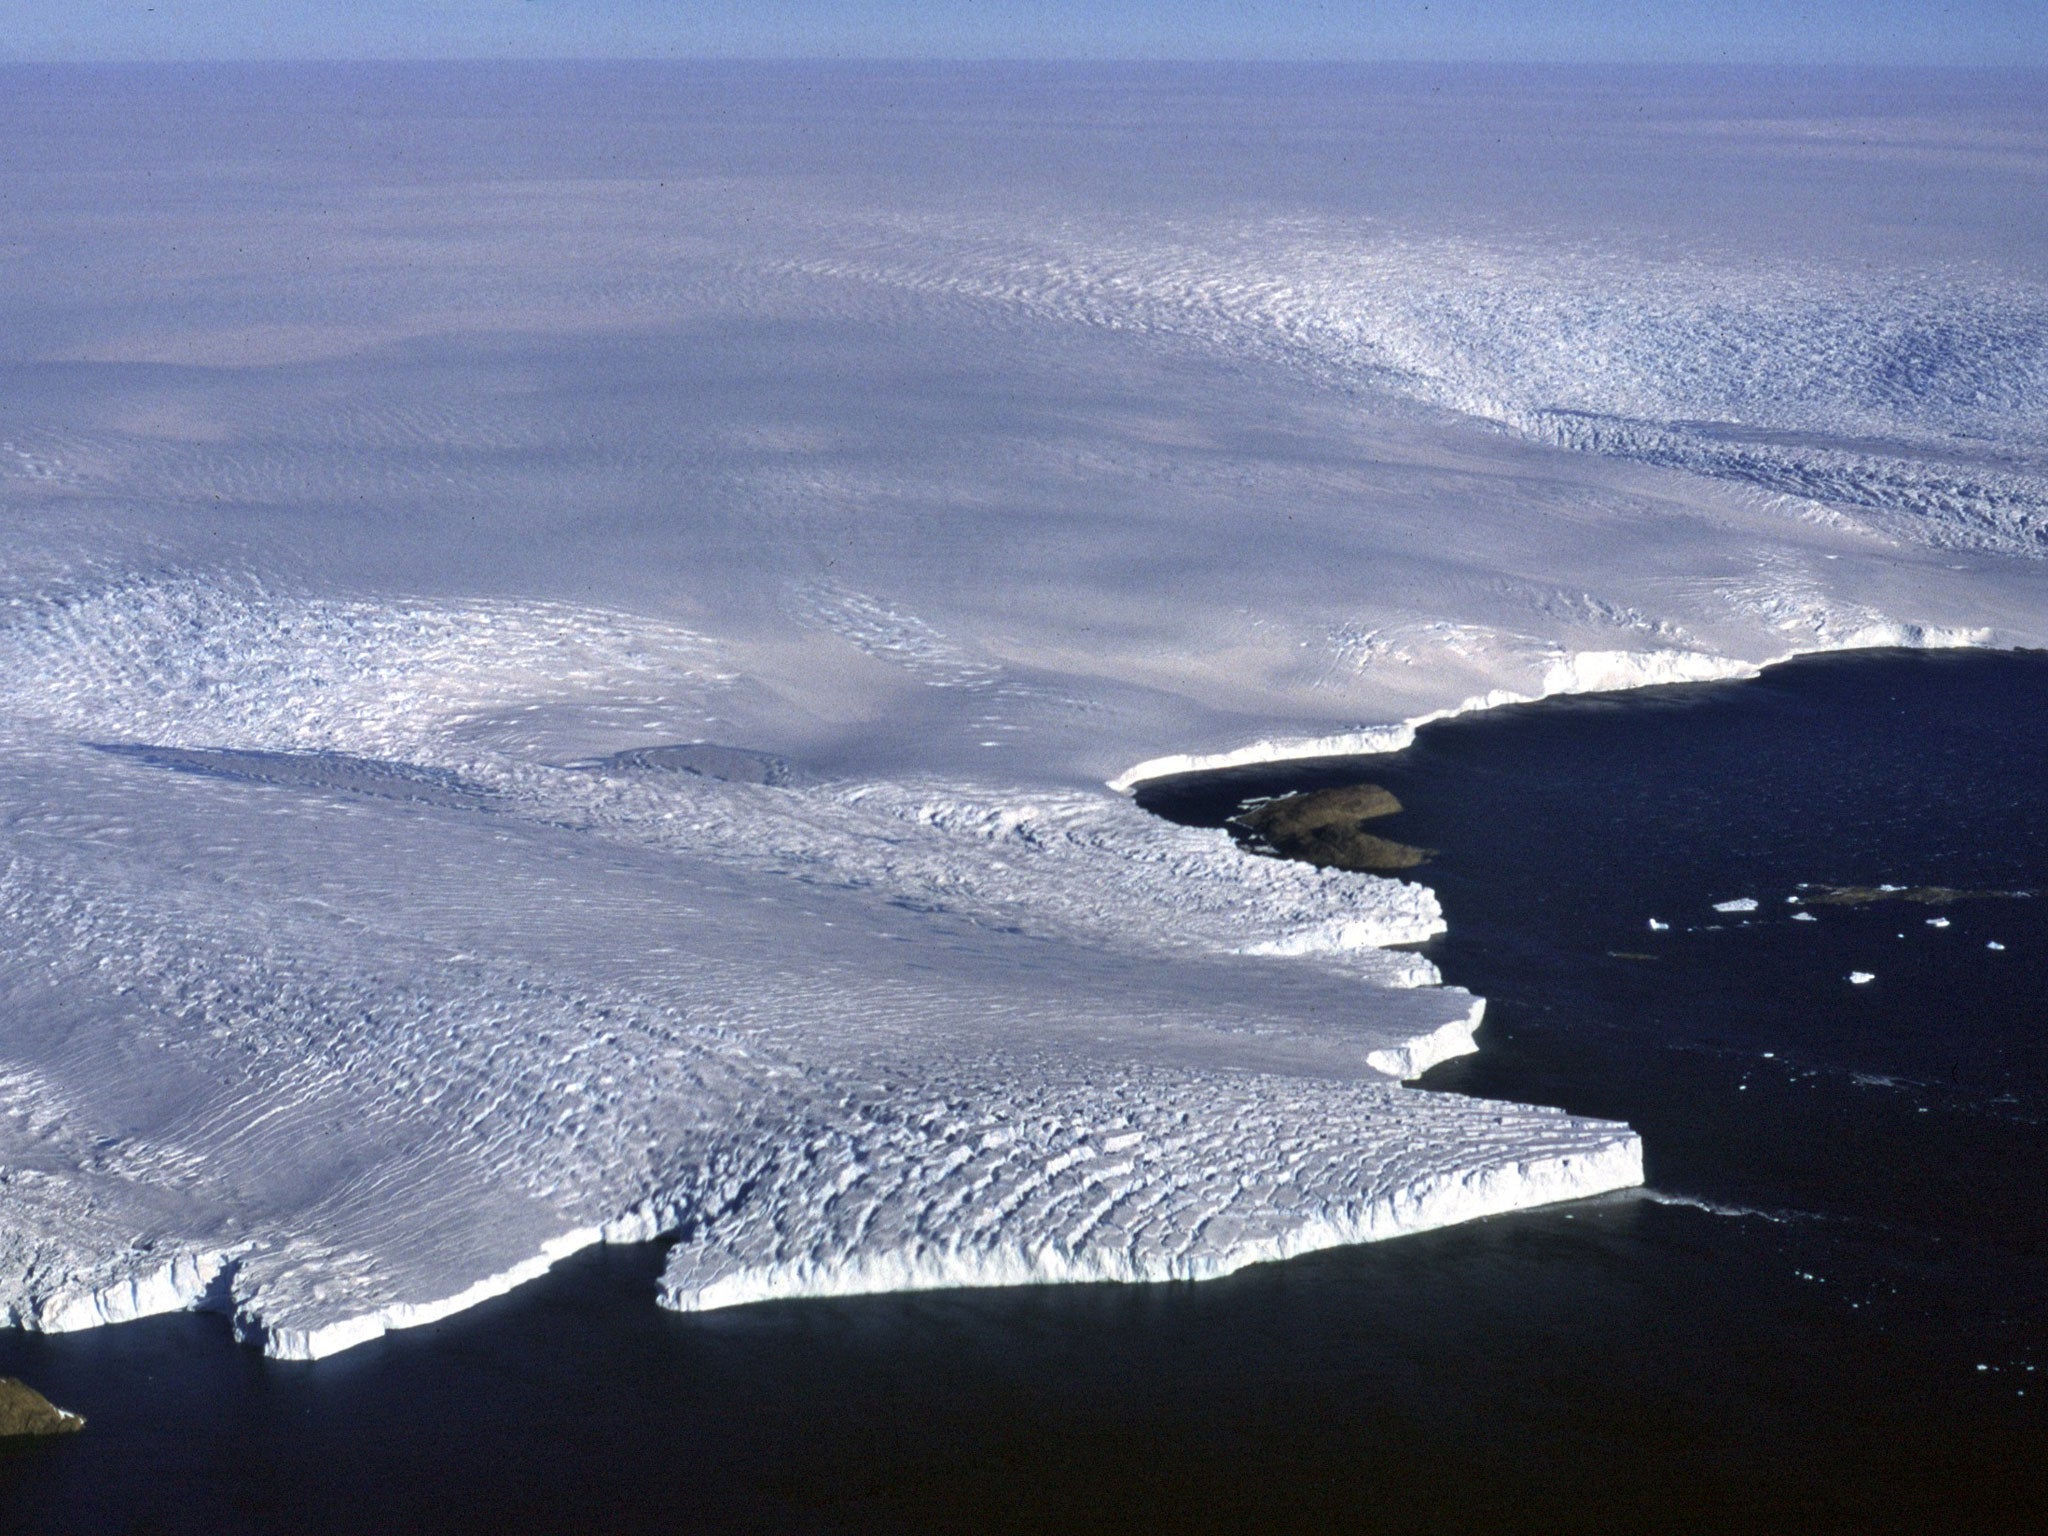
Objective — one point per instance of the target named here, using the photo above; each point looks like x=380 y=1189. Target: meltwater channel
x=1828 y=1310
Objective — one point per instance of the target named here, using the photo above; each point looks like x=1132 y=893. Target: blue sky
x=1850 y=31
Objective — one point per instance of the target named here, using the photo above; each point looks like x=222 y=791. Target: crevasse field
x=574 y=640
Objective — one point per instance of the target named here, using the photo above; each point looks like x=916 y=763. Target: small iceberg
x=1657 y=927
x=1937 y=922
x=1740 y=904
x=1993 y=944
x=1860 y=978
x=1804 y=917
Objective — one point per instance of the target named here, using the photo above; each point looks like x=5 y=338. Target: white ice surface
x=398 y=467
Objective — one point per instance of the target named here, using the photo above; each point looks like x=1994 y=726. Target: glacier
x=575 y=640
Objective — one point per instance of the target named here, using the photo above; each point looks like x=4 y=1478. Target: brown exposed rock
x=25 y=1411
x=1326 y=828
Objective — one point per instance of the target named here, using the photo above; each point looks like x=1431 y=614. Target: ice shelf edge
x=1577 y=672
x=1441 y=1201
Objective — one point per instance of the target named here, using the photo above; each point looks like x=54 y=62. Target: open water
x=1829 y=1312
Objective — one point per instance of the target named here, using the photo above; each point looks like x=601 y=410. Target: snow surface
x=570 y=637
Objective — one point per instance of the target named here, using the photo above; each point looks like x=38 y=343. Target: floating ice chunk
x=1740 y=904
x=1937 y=922
x=1804 y=917
x=1657 y=927
x=1993 y=944
x=1859 y=978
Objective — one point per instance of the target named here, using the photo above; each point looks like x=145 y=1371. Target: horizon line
x=1064 y=60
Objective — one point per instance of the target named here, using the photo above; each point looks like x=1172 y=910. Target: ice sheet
x=570 y=639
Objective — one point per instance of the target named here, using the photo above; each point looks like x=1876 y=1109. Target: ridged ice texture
x=1922 y=397
x=341 y=1043
x=564 y=684
x=1123 y=1182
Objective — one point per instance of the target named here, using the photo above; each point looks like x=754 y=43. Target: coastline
x=1582 y=672
x=194 y=1281
x=1834 y=1216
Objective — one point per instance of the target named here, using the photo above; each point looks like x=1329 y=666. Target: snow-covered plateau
x=574 y=640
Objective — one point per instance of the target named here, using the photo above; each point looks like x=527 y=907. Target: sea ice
x=579 y=679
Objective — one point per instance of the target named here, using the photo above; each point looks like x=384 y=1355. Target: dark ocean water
x=1830 y=1313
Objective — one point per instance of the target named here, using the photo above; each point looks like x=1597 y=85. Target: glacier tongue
x=391 y=1054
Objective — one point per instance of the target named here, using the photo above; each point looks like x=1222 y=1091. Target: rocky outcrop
x=1326 y=828
x=25 y=1411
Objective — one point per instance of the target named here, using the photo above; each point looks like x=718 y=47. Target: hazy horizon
x=1744 y=32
